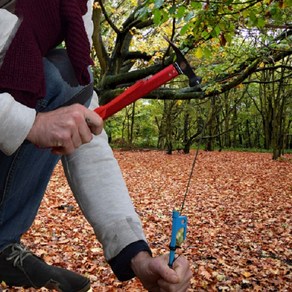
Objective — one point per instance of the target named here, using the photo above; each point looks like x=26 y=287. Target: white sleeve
x=98 y=185
x=16 y=121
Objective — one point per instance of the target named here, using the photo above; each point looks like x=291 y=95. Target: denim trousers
x=24 y=175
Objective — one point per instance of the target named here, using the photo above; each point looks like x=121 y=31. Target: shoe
x=20 y=268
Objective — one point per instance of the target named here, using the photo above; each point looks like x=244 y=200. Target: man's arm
x=67 y=126
x=96 y=181
x=98 y=185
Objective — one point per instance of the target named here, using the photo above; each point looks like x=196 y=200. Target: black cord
x=193 y=167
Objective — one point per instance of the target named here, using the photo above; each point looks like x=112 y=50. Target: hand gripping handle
x=178 y=234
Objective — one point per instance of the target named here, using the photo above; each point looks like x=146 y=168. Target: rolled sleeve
x=121 y=264
x=16 y=121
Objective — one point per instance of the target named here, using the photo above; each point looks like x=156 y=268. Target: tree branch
x=112 y=81
x=106 y=96
x=98 y=44
x=112 y=25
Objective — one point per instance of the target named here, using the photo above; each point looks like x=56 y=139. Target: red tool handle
x=136 y=91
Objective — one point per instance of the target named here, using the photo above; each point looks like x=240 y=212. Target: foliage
x=225 y=41
x=145 y=129
x=232 y=45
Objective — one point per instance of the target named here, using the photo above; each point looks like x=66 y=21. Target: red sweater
x=45 y=24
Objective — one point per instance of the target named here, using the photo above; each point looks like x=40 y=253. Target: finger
x=62 y=150
x=166 y=273
x=94 y=122
x=67 y=147
x=85 y=133
x=76 y=140
x=93 y=128
x=183 y=274
x=181 y=265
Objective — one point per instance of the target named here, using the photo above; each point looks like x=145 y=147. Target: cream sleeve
x=16 y=121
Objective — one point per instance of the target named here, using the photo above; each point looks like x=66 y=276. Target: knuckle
x=67 y=138
x=72 y=124
x=77 y=112
x=78 y=116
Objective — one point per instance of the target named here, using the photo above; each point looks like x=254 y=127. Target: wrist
x=122 y=263
x=139 y=260
x=31 y=134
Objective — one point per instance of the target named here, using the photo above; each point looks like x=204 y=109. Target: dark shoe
x=19 y=267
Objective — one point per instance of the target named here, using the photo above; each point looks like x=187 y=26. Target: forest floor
x=239 y=210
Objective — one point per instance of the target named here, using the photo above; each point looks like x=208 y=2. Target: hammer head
x=184 y=66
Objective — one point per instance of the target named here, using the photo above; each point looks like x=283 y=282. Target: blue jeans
x=25 y=174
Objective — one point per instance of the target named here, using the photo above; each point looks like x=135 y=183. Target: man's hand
x=65 y=129
x=157 y=276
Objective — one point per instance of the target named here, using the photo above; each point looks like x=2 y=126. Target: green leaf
x=184 y=29
x=180 y=11
x=172 y=9
x=196 y=5
x=205 y=35
x=157 y=16
x=228 y=37
x=274 y=10
x=207 y=52
x=222 y=25
x=165 y=16
x=216 y=31
x=253 y=18
x=245 y=13
x=261 y=22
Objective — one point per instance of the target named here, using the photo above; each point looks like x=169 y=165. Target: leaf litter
x=239 y=209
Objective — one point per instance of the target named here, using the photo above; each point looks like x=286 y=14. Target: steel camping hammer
x=145 y=86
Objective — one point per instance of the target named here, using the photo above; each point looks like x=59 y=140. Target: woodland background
x=241 y=49
x=239 y=204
